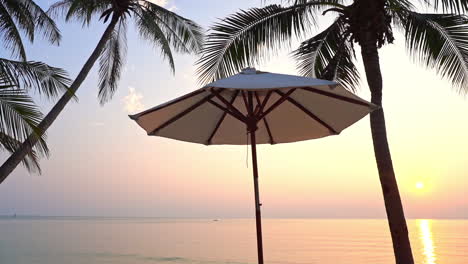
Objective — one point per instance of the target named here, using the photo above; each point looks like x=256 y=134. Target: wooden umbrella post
x=252 y=128
x=258 y=216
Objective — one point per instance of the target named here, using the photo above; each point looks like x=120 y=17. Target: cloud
x=132 y=102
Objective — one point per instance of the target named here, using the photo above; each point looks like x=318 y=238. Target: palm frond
x=19 y=117
x=43 y=23
x=26 y=17
x=111 y=62
x=395 y=6
x=47 y=80
x=10 y=34
x=18 y=113
x=439 y=41
x=149 y=29
x=321 y=4
x=184 y=35
x=79 y=10
x=21 y=15
x=448 y=6
x=329 y=55
x=246 y=37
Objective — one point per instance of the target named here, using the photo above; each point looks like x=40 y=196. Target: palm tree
x=19 y=116
x=437 y=40
x=164 y=29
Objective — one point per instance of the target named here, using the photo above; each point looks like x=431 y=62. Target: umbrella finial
x=249 y=70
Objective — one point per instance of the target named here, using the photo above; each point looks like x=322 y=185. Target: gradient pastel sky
x=103 y=164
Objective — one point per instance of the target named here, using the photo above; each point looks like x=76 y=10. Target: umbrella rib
x=277 y=103
x=310 y=114
x=265 y=101
x=259 y=104
x=228 y=104
x=336 y=96
x=245 y=101
x=250 y=105
x=267 y=126
x=223 y=116
x=270 y=135
x=181 y=114
x=187 y=96
x=227 y=110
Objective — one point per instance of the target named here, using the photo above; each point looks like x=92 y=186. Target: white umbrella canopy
x=271 y=108
x=289 y=109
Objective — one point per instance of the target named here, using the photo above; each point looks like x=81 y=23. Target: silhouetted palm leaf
x=248 y=36
x=183 y=34
x=150 y=30
x=47 y=80
x=19 y=117
x=10 y=34
x=80 y=10
x=329 y=55
x=25 y=16
x=439 y=41
x=448 y=6
x=111 y=62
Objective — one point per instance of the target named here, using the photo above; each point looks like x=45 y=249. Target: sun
x=420 y=185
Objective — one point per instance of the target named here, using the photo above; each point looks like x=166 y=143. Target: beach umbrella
x=269 y=108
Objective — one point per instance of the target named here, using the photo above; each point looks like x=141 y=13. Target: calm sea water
x=180 y=241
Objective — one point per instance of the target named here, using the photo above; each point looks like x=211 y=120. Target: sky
x=103 y=164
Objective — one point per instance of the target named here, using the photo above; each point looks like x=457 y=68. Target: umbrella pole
x=258 y=216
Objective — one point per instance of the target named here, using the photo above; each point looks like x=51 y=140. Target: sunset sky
x=103 y=164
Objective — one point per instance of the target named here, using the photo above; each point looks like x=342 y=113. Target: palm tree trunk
x=12 y=162
x=391 y=195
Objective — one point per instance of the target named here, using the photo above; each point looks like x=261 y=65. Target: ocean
x=204 y=241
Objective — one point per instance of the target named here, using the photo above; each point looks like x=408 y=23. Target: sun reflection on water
x=427 y=241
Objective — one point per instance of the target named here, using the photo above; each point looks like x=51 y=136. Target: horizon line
x=13 y=216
